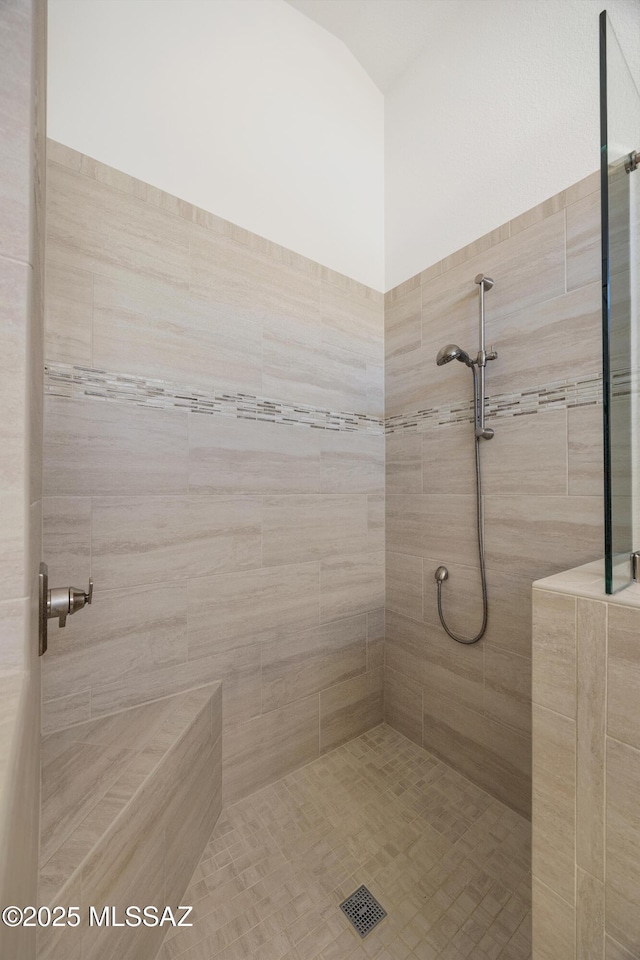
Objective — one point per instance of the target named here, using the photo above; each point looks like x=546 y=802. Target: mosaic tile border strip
x=73 y=382
x=557 y=395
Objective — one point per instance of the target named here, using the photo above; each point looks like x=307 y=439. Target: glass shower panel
x=620 y=183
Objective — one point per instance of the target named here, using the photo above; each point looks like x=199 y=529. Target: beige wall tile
x=554 y=925
x=125 y=633
x=538 y=213
x=75 y=776
x=402 y=323
x=375 y=639
x=406 y=285
x=455 y=296
x=374 y=376
x=297 y=665
x=94 y=228
x=135 y=730
x=430 y=526
x=95 y=170
x=404 y=585
x=558 y=338
x=591 y=729
x=376 y=525
x=494 y=756
x=22 y=121
x=16 y=55
x=515 y=264
x=65 y=711
x=144 y=326
x=196 y=805
x=131 y=851
x=323 y=344
x=300 y=528
x=270 y=746
x=623 y=844
x=584 y=253
x=403 y=445
x=69 y=314
x=554 y=790
x=615 y=951
x=351 y=462
x=20 y=833
x=351 y=585
x=352 y=321
x=554 y=652
x=238 y=668
x=402 y=704
x=483 y=243
x=589 y=917
x=243 y=604
x=142 y=540
x=427 y=655
x=586 y=475
x=102 y=449
x=65 y=156
x=66 y=540
x=413 y=381
x=15 y=647
x=509 y=624
x=582 y=188
x=623 y=672
x=15 y=286
x=536 y=536
x=56 y=943
x=310 y=371
x=403 y=476
x=350 y=709
x=527 y=455
x=507 y=689
x=253 y=284
x=246 y=456
x=448 y=455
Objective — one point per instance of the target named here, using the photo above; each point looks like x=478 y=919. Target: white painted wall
x=243 y=107
x=497 y=114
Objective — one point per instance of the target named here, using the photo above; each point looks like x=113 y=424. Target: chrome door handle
x=60 y=602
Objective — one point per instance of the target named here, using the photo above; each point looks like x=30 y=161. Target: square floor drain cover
x=363 y=910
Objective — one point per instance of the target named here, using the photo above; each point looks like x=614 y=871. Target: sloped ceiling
x=385 y=36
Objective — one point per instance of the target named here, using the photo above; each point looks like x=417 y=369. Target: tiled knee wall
x=471 y=705
x=586 y=778
x=214 y=458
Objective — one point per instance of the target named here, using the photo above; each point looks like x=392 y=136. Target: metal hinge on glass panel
x=61 y=602
x=632 y=162
x=635 y=566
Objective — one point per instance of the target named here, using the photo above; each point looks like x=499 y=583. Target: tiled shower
x=257 y=463
x=542 y=478
x=233 y=535
x=232 y=511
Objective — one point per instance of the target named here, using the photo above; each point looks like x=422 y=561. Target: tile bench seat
x=128 y=804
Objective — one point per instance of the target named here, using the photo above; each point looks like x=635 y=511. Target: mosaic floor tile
x=449 y=864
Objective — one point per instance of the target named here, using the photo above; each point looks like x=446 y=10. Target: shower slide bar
x=453 y=352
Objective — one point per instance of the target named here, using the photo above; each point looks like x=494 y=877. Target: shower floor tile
x=449 y=864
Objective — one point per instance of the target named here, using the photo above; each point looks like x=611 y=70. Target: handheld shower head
x=452 y=352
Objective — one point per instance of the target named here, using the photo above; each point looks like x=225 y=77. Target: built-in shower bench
x=128 y=804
